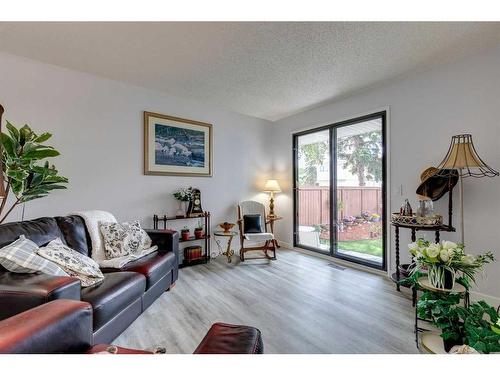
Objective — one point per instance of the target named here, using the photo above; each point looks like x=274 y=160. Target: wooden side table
x=270 y=220
x=230 y=235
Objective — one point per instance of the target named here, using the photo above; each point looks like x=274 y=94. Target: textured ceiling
x=266 y=70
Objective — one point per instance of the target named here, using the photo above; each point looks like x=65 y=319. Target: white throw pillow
x=20 y=257
x=75 y=264
x=123 y=239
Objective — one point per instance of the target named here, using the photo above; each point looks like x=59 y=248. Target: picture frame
x=175 y=146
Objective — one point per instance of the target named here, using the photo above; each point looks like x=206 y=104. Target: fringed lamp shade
x=2 y=185
x=463 y=157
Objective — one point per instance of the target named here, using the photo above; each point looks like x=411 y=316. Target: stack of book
x=192 y=253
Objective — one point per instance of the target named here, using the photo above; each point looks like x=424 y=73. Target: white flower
x=413 y=247
x=433 y=250
x=468 y=259
x=449 y=245
x=443 y=254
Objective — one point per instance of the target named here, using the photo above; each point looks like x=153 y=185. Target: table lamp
x=463 y=157
x=272 y=187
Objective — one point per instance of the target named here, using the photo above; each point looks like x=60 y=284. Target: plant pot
x=450 y=343
x=198 y=234
x=185 y=235
x=441 y=278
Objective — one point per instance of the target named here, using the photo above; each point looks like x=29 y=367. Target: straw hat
x=433 y=185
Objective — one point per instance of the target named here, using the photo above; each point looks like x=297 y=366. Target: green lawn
x=373 y=246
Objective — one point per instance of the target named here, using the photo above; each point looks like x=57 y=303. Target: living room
x=250 y=187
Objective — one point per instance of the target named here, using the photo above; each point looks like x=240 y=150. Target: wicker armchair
x=264 y=241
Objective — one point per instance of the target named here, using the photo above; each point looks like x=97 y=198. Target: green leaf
x=14 y=133
x=43 y=137
x=8 y=145
x=25 y=134
x=41 y=154
x=19 y=175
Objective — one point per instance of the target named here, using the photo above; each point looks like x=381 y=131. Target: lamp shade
x=463 y=157
x=272 y=186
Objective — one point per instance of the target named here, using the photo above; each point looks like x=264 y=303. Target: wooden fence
x=314 y=203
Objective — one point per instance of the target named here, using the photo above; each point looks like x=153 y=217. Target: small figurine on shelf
x=406 y=209
x=185 y=234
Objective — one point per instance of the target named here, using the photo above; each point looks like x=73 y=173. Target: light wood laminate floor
x=300 y=303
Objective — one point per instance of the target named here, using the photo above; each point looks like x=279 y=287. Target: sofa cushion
x=123 y=239
x=21 y=257
x=75 y=233
x=41 y=231
x=75 y=264
x=115 y=293
x=153 y=266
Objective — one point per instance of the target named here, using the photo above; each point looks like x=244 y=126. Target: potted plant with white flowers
x=443 y=261
x=183 y=195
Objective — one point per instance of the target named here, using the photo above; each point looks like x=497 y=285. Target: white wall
x=98 y=128
x=426 y=109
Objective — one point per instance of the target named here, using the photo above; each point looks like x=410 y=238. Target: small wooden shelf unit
x=206 y=239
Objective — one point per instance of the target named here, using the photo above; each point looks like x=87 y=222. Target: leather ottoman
x=225 y=338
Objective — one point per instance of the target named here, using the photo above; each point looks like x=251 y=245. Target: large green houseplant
x=26 y=173
x=476 y=325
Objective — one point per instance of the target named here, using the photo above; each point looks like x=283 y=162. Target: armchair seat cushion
x=114 y=294
x=153 y=266
x=258 y=237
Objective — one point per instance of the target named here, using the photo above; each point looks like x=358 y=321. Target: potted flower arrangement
x=183 y=196
x=375 y=218
x=359 y=219
x=349 y=220
x=185 y=234
x=366 y=215
x=444 y=260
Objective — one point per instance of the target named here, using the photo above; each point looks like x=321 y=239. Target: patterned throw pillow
x=75 y=264
x=123 y=239
x=21 y=257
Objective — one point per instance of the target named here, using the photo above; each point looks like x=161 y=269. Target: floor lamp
x=463 y=157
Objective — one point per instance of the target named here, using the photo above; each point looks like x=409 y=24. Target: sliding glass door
x=339 y=184
x=313 y=190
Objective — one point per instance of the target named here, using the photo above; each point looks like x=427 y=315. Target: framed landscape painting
x=176 y=146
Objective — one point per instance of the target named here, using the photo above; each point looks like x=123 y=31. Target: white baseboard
x=474 y=296
x=341 y=262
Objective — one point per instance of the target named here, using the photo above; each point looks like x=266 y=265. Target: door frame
x=383 y=114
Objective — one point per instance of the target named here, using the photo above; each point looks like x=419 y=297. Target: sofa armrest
x=166 y=240
x=55 y=327
x=21 y=292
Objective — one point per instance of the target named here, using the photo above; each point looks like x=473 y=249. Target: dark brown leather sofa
x=65 y=326
x=116 y=302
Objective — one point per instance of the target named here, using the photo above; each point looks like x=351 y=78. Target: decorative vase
x=441 y=278
x=181 y=212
